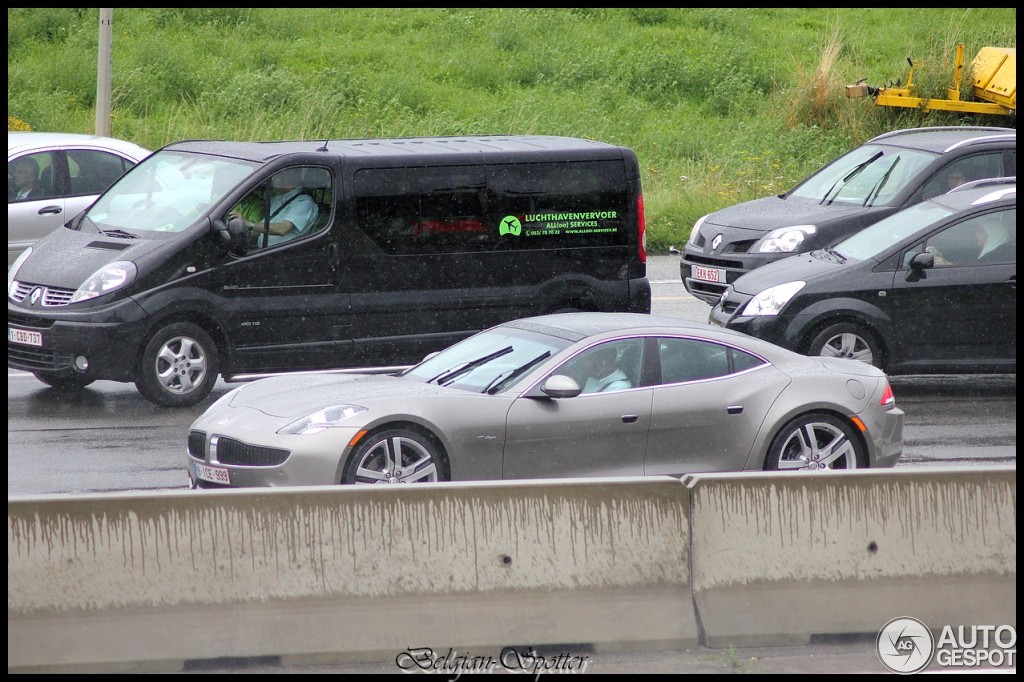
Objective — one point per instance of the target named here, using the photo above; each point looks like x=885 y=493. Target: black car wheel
x=64 y=382
x=816 y=442
x=396 y=456
x=847 y=340
x=179 y=366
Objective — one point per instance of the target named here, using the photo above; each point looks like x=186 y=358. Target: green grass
x=721 y=105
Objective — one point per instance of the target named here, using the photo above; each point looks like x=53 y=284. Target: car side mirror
x=918 y=264
x=233 y=235
x=559 y=386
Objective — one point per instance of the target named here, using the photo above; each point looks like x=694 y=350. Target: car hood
x=803 y=266
x=296 y=395
x=66 y=258
x=769 y=213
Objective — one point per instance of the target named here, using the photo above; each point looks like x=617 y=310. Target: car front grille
x=51 y=296
x=30 y=359
x=230 y=451
x=197 y=445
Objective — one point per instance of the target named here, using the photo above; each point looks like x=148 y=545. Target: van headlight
x=108 y=278
x=327 y=418
x=785 y=239
x=772 y=300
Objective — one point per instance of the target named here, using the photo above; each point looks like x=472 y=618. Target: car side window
x=92 y=172
x=979 y=240
x=31 y=177
x=606 y=367
x=685 y=360
x=965 y=169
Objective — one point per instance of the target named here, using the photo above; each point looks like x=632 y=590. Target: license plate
x=24 y=337
x=212 y=474
x=716 y=275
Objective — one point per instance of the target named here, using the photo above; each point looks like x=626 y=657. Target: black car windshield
x=871 y=175
x=872 y=240
x=485 y=360
x=168 y=192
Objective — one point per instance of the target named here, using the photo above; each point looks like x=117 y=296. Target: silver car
x=562 y=395
x=52 y=177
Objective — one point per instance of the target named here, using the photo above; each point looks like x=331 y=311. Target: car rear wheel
x=64 y=382
x=847 y=340
x=178 y=367
x=816 y=442
x=396 y=456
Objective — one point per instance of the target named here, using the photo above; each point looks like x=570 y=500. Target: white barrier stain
x=181 y=549
x=818 y=529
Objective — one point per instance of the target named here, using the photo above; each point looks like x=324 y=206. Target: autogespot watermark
x=454 y=664
x=907 y=645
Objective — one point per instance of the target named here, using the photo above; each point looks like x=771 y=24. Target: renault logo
x=716 y=242
x=36 y=293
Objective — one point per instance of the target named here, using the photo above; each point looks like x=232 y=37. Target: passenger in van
x=292 y=210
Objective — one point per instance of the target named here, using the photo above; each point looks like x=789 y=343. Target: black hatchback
x=932 y=289
x=881 y=177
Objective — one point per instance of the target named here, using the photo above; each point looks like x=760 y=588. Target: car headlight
x=696 y=229
x=12 y=272
x=772 y=300
x=785 y=239
x=327 y=418
x=108 y=278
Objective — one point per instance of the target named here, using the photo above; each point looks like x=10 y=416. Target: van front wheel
x=178 y=367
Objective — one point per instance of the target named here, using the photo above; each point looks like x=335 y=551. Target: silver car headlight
x=108 y=278
x=696 y=229
x=785 y=239
x=772 y=300
x=326 y=418
x=12 y=272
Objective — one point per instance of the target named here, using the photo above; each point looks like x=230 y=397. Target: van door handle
x=50 y=210
x=333 y=257
x=629 y=418
x=734 y=409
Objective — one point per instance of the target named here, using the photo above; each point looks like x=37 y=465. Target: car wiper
x=835 y=254
x=449 y=375
x=881 y=183
x=826 y=201
x=119 y=233
x=504 y=378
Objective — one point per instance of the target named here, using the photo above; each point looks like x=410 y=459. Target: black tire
x=848 y=340
x=373 y=461
x=178 y=367
x=816 y=442
x=65 y=382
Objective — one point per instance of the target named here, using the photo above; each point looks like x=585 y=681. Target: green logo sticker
x=510 y=225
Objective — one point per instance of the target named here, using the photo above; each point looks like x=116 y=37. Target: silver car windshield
x=168 y=192
x=872 y=240
x=492 y=359
x=867 y=176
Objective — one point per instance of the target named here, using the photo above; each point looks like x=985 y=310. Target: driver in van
x=292 y=210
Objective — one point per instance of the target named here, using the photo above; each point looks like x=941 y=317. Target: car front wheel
x=178 y=366
x=816 y=442
x=396 y=456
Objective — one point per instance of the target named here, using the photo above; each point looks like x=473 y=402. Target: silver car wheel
x=848 y=345
x=397 y=457
x=814 y=445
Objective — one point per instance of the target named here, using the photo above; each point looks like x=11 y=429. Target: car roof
x=944 y=139
x=18 y=140
x=575 y=326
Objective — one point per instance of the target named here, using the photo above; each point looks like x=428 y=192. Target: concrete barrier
x=149 y=581
x=778 y=558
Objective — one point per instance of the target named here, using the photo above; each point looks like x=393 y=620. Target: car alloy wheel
x=396 y=456
x=816 y=442
x=179 y=366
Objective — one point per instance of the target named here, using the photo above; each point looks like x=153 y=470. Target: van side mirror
x=232 y=235
x=918 y=264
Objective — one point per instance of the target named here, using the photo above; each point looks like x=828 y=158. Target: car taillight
x=641 y=227
x=887 y=396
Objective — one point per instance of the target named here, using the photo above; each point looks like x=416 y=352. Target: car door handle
x=50 y=210
x=734 y=409
x=629 y=418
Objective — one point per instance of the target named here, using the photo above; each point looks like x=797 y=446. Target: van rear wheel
x=178 y=367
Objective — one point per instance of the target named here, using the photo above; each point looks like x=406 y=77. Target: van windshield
x=871 y=175
x=168 y=192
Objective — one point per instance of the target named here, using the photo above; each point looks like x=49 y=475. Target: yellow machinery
x=993 y=71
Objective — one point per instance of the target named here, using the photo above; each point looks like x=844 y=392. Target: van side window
x=294 y=202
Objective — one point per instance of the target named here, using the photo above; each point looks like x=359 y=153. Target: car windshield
x=872 y=240
x=871 y=175
x=488 y=361
x=168 y=192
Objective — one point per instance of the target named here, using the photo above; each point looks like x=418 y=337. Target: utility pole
x=103 y=72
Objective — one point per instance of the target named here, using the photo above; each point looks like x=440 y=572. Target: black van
x=231 y=258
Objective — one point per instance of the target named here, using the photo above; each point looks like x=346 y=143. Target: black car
x=932 y=289
x=887 y=174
